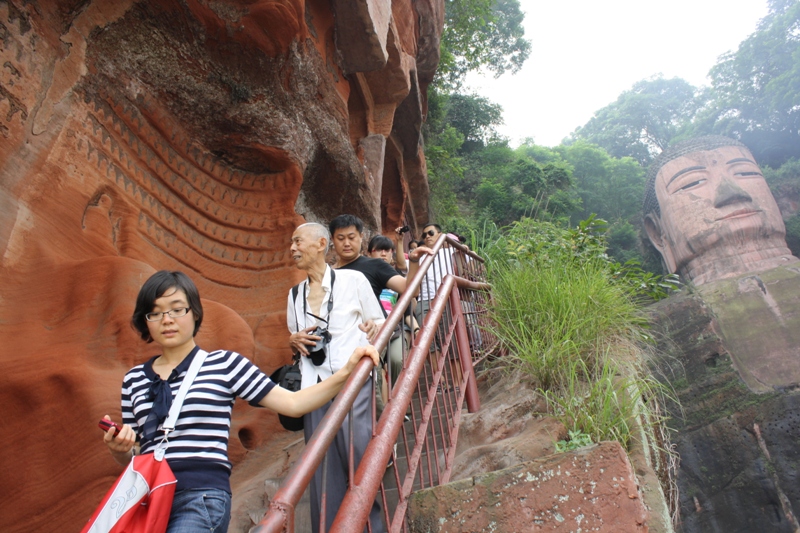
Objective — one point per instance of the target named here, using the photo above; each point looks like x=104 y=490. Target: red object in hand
x=105 y=425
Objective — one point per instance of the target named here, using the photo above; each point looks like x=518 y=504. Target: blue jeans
x=196 y=510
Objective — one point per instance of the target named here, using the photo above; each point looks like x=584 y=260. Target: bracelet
x=412 y=260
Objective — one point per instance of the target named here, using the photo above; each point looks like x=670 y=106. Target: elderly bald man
x=342 y=304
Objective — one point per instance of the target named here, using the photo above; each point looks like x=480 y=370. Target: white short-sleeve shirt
x=353 y=304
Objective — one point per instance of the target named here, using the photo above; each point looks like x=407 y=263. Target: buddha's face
x=714 y=204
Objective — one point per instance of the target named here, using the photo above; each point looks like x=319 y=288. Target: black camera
x=317 y=352
x=404 y=229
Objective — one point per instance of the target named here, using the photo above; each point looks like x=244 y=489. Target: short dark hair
x=437 y=226
x=345 y=221
x=674 y=151
x=154 y=288
x=380 y=242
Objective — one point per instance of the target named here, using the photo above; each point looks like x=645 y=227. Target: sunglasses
x=429 y=233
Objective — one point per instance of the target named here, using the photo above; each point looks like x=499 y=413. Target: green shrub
x=793 y=234
x=549 y=314
x=576 y=440
x=611 y=403
x=569 y=317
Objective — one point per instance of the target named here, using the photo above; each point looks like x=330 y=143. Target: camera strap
x=330 y=303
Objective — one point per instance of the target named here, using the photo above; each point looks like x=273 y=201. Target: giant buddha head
x=709 y=211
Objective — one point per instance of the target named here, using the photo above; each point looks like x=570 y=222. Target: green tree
x=610 y=188
x=513 y=185
x=481 y=34
x=475 y=117
x=643 y=120
x=785 y=185
x=478 y=34
x=755 y=91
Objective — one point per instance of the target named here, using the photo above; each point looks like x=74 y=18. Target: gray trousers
x=338 y=454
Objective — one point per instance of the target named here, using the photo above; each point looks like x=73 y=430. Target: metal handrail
x=280 y=515
x=355 y=508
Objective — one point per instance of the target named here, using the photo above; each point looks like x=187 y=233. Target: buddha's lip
x=739 y=213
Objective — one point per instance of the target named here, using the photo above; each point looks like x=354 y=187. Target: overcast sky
x=584 y=53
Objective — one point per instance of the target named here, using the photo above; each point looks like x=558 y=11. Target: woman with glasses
x=169 y=313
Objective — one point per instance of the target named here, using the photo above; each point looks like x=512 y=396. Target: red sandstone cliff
x=179 y=134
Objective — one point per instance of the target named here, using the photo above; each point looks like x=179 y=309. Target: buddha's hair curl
x=674 y=151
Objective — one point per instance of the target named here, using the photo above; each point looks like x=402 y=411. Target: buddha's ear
x=655 y=232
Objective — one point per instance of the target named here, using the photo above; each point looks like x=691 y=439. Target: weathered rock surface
x=591 y=489
x=758 y=318
x=738 y=471
x=507 y=430
x=139 y=135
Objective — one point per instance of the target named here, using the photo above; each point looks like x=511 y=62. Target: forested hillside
x=478 y=180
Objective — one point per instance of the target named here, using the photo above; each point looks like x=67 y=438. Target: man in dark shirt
x=347 y=234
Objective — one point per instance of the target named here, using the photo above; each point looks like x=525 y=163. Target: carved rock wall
x=178 y=134
x=738 y=448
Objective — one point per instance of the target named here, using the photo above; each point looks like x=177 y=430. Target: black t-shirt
x=377 y=271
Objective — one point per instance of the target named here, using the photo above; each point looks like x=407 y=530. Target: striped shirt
x=441 y=266
x=198 y=448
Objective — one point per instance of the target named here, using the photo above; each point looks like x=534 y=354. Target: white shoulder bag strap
x=175 y=409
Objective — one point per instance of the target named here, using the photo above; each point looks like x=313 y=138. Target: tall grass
x=575 y=328
x=567 y=318
x=551 y=314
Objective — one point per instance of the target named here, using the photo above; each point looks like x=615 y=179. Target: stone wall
x=738 y=448
x=179 y=134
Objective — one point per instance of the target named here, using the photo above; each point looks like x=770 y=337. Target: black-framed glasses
x=173 y=313
x=429 y=233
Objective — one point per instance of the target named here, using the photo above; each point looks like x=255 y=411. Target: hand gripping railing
x=431 y=388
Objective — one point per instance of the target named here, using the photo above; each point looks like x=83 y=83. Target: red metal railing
x=422 y=412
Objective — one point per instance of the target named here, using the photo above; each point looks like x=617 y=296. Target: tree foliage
x=475 y=118
x=610 y=187
x=754 y=97
x=643 y=120
x=481 y=34
x=513 y=186
x=785 y=183
x=755 y=91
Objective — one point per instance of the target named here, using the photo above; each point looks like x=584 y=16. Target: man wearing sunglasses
x=442 y=265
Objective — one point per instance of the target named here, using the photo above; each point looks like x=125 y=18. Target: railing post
x=367 y=480
x=464 y=354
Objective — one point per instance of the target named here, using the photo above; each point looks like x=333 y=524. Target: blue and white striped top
x=198 y=448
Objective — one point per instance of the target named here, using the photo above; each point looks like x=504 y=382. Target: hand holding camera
x=401 y=230
x=317 y=352
x=304 y=340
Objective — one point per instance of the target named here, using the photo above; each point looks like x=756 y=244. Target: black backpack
x=289 y=377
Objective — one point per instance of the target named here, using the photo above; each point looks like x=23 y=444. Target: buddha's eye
x=692 y=184
x=748 y=174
